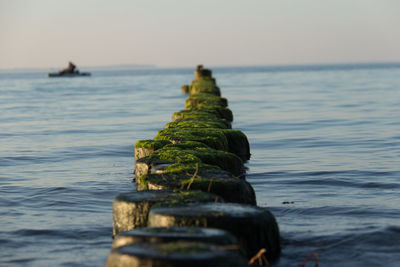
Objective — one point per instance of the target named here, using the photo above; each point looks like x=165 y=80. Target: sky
x=180 y=33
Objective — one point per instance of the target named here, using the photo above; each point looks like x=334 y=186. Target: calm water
x=325 y=143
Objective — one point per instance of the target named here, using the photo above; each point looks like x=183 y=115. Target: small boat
x=71 y=71
x=73 y=74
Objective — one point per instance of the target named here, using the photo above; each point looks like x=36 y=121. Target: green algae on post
x=213 y=138
x=230 y=189
x=204 y=85
x=204 y=99
x=196 y=114
x=205 y=112
x=173 y=154
x=192 y=123
x=199 y=116
x=234 y=141
x=185 y=145
x=200 y=169
x=144 y=148
x=220 y=112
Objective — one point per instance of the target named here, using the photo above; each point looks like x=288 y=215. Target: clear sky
x=49 y=33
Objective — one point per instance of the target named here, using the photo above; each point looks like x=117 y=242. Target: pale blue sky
x=48 y=33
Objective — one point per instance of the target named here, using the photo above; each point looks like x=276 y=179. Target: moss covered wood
x=234 y=141
x=172 y=154
x=198 y=100
x=130 y=210
x=220 y=112
x=254 y=227
x=197 y=114
x=200 y=116
x=213 y=138
x=205 y=112
x=204 y=85
x=144 y=148
x=230 y=189
x=185 y=89
x=197 y=169
x=238 y=143
x=193 y=123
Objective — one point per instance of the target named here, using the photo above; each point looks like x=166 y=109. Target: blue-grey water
x=325 y=144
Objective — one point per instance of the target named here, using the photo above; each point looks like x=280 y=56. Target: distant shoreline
x=287 y=67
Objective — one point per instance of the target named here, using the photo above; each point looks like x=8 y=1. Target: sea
x=325 y=157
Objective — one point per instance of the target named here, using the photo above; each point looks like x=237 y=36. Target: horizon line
x=153 y=66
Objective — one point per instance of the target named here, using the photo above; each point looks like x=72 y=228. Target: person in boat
x=71 y=69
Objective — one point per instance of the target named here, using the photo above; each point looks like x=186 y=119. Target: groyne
x=193 y=205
